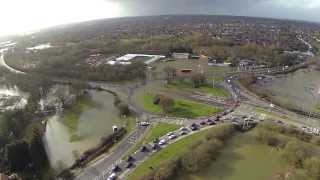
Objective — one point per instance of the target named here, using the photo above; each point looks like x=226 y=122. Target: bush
x=295 y=153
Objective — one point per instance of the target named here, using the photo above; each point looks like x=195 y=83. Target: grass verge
x=182 y=107
x=173 y=150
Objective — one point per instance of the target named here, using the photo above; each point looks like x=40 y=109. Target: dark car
x=203 y=123
x=130 y=159
x=116 y=168
x=144 y=149
x=194 y=128
x=210 y=122
x=129 y=165
x=155 y=146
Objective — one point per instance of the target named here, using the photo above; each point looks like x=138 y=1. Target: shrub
x=295 y=153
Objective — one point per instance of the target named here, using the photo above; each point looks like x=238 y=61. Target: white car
x=144 y=123
x=173 y=136
x=162 y=142
x=113 y=176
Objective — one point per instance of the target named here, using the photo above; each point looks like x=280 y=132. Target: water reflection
x=11 y=97
x=299 y=88
x=94 y=123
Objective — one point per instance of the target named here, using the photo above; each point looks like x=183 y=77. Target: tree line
x=198 y=156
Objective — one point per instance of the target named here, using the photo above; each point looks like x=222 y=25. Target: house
x=180 y=55
x=246 y=62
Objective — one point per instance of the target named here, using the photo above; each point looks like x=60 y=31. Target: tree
x=166 y=103
x=124 y=109
x=17 y=155
x=198 y=80
x=37 y=150
x=170 y=73
x=295 y=153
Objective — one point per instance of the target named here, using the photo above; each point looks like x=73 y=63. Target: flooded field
x=12 y=97
x=299 y=89
x=94 y=123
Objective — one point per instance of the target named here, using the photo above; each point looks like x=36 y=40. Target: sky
x=21 y=16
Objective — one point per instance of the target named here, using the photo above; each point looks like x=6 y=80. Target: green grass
x=147 y=101
x=166 y=154
x=218 y=92
x=72 y=115
x=206 y=89
x=243 y=159
x=156 y=131
x=182 y=108
x=160 y=130
x=271 y=114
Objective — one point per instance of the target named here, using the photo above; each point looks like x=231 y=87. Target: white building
x=128 y=58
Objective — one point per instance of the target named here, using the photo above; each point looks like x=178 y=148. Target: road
x=98 y=168
x=4 y=64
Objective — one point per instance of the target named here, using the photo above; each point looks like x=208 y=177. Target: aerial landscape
x=194 y=93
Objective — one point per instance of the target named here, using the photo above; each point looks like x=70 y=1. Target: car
x=130 y=159
x=129 y=165
x=194 y=128
x=144 y=123
x=112 y=176
x=170 y=133
x=173 y=136
x=184 y=129
x=115 y=168
x=182 y=133
x=203 y=123
x=162 y=142
x=144 y=149
x=210 y=122
x=155 y=146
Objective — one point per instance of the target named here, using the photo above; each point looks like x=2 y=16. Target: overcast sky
x=19 y=16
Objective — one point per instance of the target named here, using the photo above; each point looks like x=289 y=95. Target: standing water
x=94 y=123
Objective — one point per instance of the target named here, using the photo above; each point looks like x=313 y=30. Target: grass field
x=243 y=159
x=156 y=131
x=71 y=116
x=182 y=107
x=170 y=152
x=206 y=89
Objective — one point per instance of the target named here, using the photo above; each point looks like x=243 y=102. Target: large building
x=129 y=58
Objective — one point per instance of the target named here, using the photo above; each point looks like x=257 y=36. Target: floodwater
x=12 y=97
x=94 y=123
x=40 y=47
x=300 y=88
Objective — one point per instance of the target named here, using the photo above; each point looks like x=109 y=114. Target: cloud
x=288 y=9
